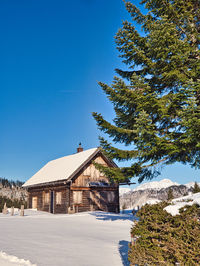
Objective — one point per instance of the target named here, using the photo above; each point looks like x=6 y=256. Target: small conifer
x=196 y=188
x=170 y=195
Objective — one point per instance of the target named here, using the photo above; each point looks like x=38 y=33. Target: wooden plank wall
x=91 y=174
x=42 y=206
x=95 y=199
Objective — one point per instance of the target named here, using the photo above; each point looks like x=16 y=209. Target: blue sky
x=53 y=53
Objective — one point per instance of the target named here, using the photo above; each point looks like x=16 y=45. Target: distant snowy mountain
x=157 y=185
x=152 y=192
x=123 y=190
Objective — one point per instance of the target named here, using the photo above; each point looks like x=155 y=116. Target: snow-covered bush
x=166 y=239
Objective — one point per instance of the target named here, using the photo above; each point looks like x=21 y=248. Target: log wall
x=93 y=199
x=42 y=206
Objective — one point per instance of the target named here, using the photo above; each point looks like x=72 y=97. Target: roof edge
x=98 y=150
x=83 y=164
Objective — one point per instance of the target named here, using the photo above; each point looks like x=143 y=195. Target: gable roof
x=63 y=168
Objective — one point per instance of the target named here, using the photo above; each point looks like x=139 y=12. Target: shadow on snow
x=123 y=250
x=103 y=216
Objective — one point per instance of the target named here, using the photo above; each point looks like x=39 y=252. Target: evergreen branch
x=114 y=153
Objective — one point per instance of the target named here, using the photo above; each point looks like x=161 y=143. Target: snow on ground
x=16 y=210
x=179 y=203
x=7 y=260
x=44 y=239
x=152 y=201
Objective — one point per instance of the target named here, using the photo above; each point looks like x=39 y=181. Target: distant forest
x=11 y=202
x=9 y=183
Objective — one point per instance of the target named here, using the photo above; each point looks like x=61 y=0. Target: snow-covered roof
x=61 y=169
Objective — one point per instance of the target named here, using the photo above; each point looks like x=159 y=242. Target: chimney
x=79 y=149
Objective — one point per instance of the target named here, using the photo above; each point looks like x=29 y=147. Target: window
x=34 y=202
x=77 y=197
x=58 y=197
x=46 y=198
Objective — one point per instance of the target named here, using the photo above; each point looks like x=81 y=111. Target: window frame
x=78 y=199
x=58 y=197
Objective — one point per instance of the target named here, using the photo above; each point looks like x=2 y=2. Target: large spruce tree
x=157 y=97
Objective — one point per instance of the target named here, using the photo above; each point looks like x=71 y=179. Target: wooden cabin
x=73 y=184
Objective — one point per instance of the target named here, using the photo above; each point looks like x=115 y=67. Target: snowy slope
x=8 y=260
x=191 y=184
x=181 y=202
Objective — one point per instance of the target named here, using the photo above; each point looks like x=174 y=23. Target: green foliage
x=163 y=239
x=157 y=98
x=170 y=195
x=196 y=188
x=9 y=203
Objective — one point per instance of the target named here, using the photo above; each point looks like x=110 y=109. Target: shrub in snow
x=10 y=203
x=170 y=195
x=165 y=239
x=196 y=188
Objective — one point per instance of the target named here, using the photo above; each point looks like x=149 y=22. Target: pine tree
x=196 y=188
x=157 y=98
x=170 y=195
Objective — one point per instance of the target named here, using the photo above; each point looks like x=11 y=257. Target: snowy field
x=89 y=239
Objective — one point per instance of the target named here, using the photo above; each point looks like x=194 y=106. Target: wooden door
x=34 y=202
